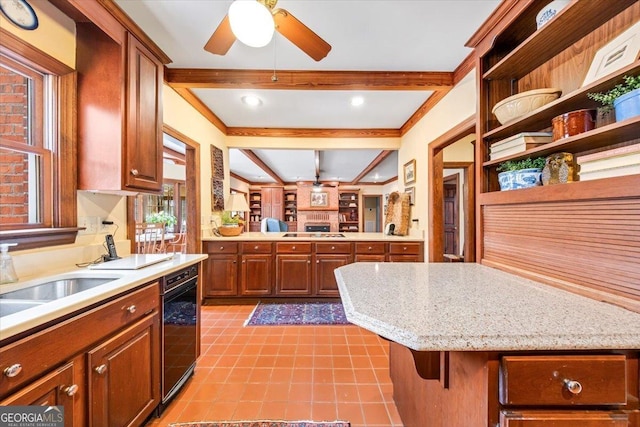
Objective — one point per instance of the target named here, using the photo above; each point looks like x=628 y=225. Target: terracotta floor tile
x=322 y=373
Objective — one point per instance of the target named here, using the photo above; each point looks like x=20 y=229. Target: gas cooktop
x=313 y=235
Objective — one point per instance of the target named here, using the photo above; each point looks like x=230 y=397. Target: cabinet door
x=221 y=275
x=563 y=419
x=255 y=275
x=325 y=279
x=293 y=275
x=272 y=203
x=62 y=387
x=143 y=160
x=124 y=376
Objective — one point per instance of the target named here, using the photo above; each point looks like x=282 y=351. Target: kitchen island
x=295 y=264
x=475 y=346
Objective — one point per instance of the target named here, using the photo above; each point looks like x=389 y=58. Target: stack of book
x=610 y=163
x=518 y=144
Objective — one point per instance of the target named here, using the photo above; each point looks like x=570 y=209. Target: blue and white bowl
x=523 y=178
x=549 y=11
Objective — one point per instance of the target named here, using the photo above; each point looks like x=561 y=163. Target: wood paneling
x=314 y=133
x=593 y=244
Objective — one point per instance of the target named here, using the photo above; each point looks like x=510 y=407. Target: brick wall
x=14 y=173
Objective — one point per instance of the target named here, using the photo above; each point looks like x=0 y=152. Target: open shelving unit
x=291 y=209
x=255 y=210
x=550 y=233
x=348 y=211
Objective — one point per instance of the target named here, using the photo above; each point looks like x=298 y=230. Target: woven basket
x=230 y=231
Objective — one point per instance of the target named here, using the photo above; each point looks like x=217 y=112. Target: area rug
x=263 y=424
x=298 y=313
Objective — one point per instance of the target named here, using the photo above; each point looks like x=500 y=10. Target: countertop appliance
x=179 y=331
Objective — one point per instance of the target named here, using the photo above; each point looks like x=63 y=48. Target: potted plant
x=162 y=217
x=231 y=225
x=624 y=98
x=515 y=174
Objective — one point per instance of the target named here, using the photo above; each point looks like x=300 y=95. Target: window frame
x=61 y=227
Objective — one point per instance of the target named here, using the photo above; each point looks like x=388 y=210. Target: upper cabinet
x=120 y=77
x=569 y=235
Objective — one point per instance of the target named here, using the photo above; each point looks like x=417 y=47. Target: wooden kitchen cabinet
x=221 y=269
x=370 y=252
x=256 y=269
x=405 y=252
x=51 y=363
x=122 y=373
x=64 y=387
x=329 y=256
x=119 y=106
x=563 y=419
x=294 y=274
x=273 y=202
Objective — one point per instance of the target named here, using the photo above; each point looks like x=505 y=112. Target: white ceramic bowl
x=549 y=11
x=523 y=103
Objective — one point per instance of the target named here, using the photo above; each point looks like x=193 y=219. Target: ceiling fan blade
x=221 y=39
x=300 y=35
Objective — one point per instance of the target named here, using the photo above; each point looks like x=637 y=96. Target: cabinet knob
x=131 y=309
x=71 y=390
x=255 y=247
x=317 y=261
x=333 y=248
x=370 y=248
x=101 y=369
x=294 y=248
x=13 y=370
x=222 y=248
x=309 y=262
x=404 y=248
x=134 y=172
x=574 y=387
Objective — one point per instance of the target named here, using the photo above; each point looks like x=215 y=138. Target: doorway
x=451 y=214
x=372 y=213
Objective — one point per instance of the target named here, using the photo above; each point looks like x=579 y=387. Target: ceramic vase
x=523 y=178
x=627 y=105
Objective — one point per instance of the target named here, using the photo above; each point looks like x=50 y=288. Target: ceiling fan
x=283 y=21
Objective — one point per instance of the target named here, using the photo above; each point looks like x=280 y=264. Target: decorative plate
x=20 y=13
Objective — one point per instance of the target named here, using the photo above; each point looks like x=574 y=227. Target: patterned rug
x=298 y=313
x=263 y=424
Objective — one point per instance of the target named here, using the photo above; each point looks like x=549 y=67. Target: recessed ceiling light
x=357 y=101
x=251 y=100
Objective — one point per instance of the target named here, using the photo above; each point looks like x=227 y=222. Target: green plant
x=162 y=217
x=607 y=98
x=528 y=163
x=228 y=219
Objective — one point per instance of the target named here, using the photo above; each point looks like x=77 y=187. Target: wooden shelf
x=597 y=138
x=566 y=28
x=576 y=100
x=606 y=188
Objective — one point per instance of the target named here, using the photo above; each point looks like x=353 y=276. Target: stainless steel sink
x=53 y=290
x=10 y=306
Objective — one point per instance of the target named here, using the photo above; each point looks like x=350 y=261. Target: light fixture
x=251 y=100
x=357 y=101
x=236 y=203
x=251 y=22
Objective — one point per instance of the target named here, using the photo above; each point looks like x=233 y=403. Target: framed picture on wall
x=410 y=172
x=412 y=194
x=319 y=199
x=618 y=53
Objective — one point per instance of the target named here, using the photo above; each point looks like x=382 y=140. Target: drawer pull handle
x=71 y=390
x=13 y=370
x=134 y=172
x=101 y=369
x=131 y=309
x=370 y=248
x=404 y=248
x=333 y=248
x=574 y=387
x=255 y=247
x=294 y=248
x=222 y=248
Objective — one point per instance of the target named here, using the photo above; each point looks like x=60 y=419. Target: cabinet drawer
x=563 y=419
x=404 y=248
x=370 y=248
x=563 y=380
x=256 y=248
x=333 y=248
x=48 y=348
x=221 y=248
x=293 y=248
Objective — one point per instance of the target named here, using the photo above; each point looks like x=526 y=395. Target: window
x=37 y=146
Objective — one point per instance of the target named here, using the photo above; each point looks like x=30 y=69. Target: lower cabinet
x=101 y=365
x=405 y=252
x=220 y=269
x=293 y=275
x=330 y=256
x=255 y=275
x=563 y=419
x=62 y=387
x=122 y=373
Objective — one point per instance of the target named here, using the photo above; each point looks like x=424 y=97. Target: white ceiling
x=374 y=35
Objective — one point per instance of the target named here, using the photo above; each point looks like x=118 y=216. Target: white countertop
x=348 y=237
x=471 y=307
x=125 y=280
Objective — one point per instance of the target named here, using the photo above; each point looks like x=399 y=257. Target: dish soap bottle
x=7 y=272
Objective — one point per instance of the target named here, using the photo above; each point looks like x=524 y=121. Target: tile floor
x=319 y=373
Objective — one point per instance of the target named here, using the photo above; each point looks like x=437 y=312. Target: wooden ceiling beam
x=308 y=80
x=379 y=158
x=313 y=133
x=262 y=165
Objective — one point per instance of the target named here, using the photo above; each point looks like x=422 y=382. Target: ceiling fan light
x=251 y=22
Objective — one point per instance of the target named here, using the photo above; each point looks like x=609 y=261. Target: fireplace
x=317 y=228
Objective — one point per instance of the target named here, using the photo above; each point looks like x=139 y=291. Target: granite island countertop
x=348 y=237
x=471 y=307
x=124 y=280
